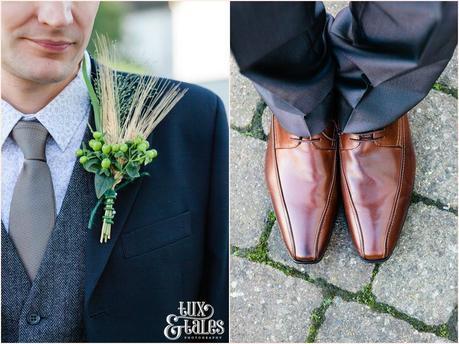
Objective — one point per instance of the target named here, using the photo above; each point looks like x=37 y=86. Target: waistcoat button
x=33 y=318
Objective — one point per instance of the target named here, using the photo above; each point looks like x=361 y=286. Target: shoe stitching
x=327 y=205
x=284 y=208
x=354 y=211
x=311 y=140
x=397 y=199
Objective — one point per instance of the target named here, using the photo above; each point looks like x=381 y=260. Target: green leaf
x=92 y=165
x=132 y=170
x=118 y=154
x=104 y=171
x=102 y=184
x=92 y=96
x=117 y=165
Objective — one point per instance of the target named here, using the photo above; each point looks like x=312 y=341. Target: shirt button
x=33 y=318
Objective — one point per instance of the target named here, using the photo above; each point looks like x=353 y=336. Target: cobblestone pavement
x=410 y=298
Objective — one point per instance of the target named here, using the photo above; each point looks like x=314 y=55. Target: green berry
x=146 y=143
x=105 y=163
x=106 y=148
x=152 y=153
x=91 y=143
x=97 y=146
x=97 y=135
x=79 y=152
x=124 y=148
x=142 y=147
x=115 y=147
x=138 y=140
x=83 y=159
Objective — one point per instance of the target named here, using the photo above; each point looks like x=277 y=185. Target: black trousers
x=365 y=68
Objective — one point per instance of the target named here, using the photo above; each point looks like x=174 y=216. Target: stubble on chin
x=39 y=70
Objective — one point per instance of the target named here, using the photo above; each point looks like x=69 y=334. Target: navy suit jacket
x=169 y=242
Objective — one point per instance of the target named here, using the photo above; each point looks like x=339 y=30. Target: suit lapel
x=98 y=254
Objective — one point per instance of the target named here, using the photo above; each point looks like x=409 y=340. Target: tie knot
x=31 y=138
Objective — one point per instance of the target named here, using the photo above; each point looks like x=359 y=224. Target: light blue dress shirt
x=65 y=118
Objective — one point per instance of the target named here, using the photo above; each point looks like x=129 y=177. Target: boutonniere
x=126 y=111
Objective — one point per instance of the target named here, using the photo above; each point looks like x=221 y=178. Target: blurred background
x=181 y=40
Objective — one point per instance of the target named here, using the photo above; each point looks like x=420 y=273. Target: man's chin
x=51 y=72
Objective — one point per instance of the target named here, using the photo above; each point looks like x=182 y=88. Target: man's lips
x=54 y=46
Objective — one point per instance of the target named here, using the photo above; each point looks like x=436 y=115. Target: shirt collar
x=61 y=117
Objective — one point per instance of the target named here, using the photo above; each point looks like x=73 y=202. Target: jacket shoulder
x=198 y=96
x=197 y=99
x=195 y=116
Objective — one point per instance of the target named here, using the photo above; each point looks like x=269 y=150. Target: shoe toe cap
x=306 y=257
x=374 y=255
x=375 y=245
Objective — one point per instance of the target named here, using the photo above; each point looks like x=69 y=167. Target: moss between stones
x=259 y=254
x=318 y=318
x=439 y=330
x=374 y=272
x=438 y=86
x=255 y=128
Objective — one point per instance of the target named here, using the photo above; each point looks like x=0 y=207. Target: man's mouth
x=52 y=45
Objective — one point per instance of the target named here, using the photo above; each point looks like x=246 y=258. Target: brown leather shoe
x=377 y=178
x=302 y=178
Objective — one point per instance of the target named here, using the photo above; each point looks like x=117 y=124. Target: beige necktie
x=33 y=209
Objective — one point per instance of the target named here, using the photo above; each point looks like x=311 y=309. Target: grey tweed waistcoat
x=51 y=308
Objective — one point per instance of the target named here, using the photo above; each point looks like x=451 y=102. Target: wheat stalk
x=125 y=115
x=126 y=109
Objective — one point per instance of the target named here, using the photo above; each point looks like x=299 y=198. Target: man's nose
x=55 y=13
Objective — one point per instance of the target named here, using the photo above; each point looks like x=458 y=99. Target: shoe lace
x=304 y=139
x=367 y=137
x=310 y=139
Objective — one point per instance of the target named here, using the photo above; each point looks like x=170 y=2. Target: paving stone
x=340 y=265
x=333 y=7
x=266 y=120
x=350 y=322
x=250 y=202
x=434 y=132
x=243 y=97
x=420 y=279
x=449 y=75
x=267 y=305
